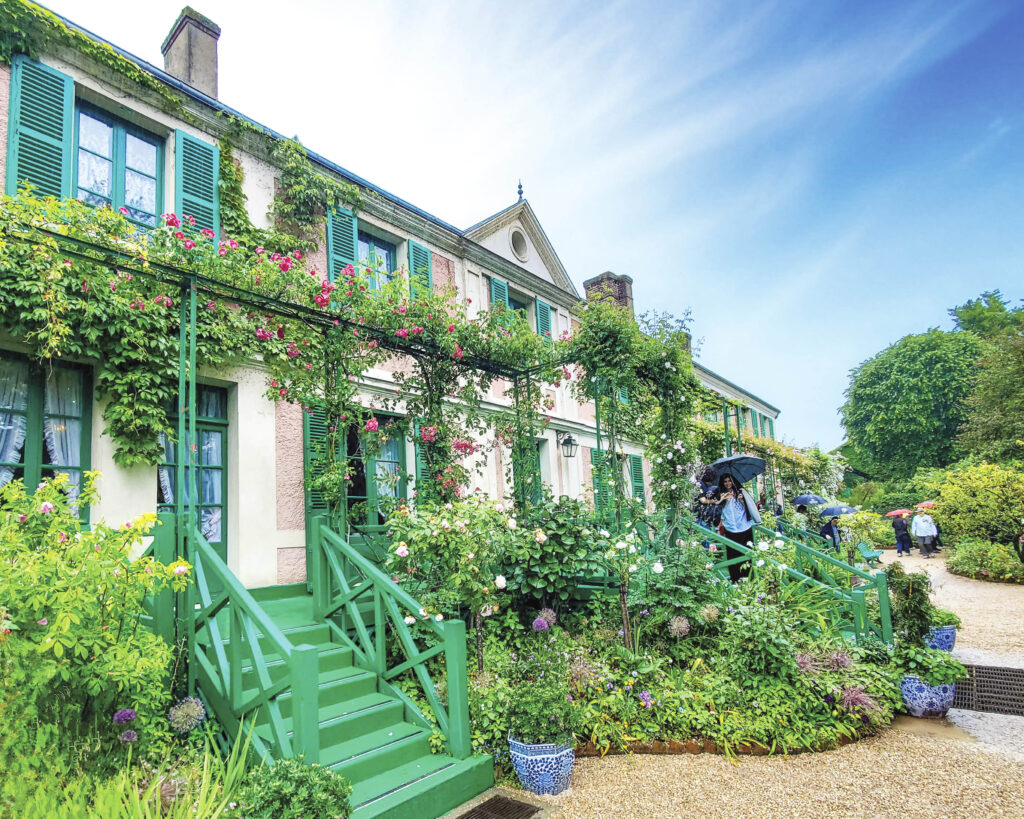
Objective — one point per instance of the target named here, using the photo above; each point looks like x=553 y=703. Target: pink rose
x=372 y=425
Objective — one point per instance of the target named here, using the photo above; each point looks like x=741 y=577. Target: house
x=74 y=127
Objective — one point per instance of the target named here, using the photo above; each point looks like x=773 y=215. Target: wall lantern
x=568 y=443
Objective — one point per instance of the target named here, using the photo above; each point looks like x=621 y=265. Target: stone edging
x=691 y=746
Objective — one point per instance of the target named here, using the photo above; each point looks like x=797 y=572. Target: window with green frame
x=378 y=255
x=211 y=460
x=368 y=498
x=117 y=165
x=45 y=422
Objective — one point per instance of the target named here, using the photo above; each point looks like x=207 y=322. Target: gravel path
x=991 y=633
x=878 y=777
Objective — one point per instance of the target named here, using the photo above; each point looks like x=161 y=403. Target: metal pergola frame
x=190 y=284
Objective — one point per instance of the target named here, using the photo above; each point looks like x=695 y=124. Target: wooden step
x=361 y=757
x=339 y=686
x=424 y=788
x=332 y=657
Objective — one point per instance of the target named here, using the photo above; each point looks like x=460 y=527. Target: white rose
x=409 y=620
x=669 y=455
x=673 y=486
x=632 y=550
x=500 y=581
x=500 y=507
x=779 y=544
x=760 y=563
x=620 y=544
x=439 y=617
x=657 y=568
x=512 y=523
x=604 y=533
x=763 y=547
x=632 y=568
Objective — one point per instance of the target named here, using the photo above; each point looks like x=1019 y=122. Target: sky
x=814 y=180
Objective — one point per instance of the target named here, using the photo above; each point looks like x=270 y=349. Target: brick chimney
x=620 y=288
x=190 y=51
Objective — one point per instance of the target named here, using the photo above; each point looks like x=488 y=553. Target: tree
x=905 y=405
x=987 y=316
x=995 y=424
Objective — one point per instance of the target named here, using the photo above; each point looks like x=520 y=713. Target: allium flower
x=187 y=715
x=709 y=612
x=540 y=624
x=838 y=660
x=124 y=716
x=806 y=663
x=678 y=627
x=854 y=699
x=128 y=736
x=549 y=616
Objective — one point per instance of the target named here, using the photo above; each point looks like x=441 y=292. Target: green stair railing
x=219 y=660
x=850 y=609
x=804 y=536
x=360 y=604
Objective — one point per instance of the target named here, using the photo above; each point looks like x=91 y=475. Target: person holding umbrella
x=830 y=531
x=899 y=528
x=739 y=514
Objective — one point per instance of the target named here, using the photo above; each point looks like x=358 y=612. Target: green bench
x=871 y=556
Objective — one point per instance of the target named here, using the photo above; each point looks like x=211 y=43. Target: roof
x=701 y=368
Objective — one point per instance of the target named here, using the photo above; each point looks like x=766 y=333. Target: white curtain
x=13 y=396
x=387 y=469
x=63 y=435
x=164 y=473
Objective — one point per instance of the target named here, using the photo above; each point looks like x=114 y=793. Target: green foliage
x=945 y=617
x=910 y=599
x=931 y=666
x=26 y=28
x=981 y=501
x=995 y=422
x=292 y=789
x=905 y=405
x=548 y=571
x=74 y=653
x=987 y=316
x=870 y=528
x=984 y=560
x=542 y=710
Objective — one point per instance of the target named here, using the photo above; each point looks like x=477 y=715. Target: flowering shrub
x=74 y=654
x=449 y=555
x=542 y=708
x=982 y=560
x=870 y=528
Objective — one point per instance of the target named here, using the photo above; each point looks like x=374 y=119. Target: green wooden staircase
x=364 y=734
x=314 y=675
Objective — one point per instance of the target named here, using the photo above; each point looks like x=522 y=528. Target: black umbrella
x=835 y=511
x=809 y=499
x=741 y=467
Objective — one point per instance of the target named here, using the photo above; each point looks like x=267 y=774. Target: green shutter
x=314 y=439
x=771 y=428
x=421 y=270
x=342 y=241
x=756 y=420
x=602 y=493
x=40 y=120
x=499 y=293
x=636 y=475
x=624 y=395
x=196 y=172
x=543 y=320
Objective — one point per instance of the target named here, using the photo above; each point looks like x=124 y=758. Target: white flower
x=658 y=461
x=668 y=366
x=620 y=544
x=679 y=541
x=783 y=567
x=763 y=547
x=709 y=566
x=540 y=537
x=512 y=523
x=632 y=568
x=500 y=507
x=668 y=455
x=445 y=525
x=447 y=506
x=500 y=581
x=673 y=486
x=486 y=611
x=423 y=612
x=439 y=617
x=402 y=550
x=657 y=568
x=409 y=620
x=780 y=544
x=632 y=550
x=471 y=555
x=604 y=533
x=663 y=436
x=760 y=563
x=611 y=482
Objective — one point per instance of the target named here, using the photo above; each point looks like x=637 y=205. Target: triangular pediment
x=515 y=234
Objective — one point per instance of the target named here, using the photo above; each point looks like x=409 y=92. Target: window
x=368 y=500
x=45 y=422
x=378 y=255
x=117 y=165
x=211 y=433
x=516 y=303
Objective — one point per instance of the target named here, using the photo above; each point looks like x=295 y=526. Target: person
x=923 y=529
x=705 y=505
x=830 y=531
x=938 y=536
x=899 y=528
x=739 y=514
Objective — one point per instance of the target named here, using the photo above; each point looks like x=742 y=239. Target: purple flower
x=839 y=660
x=806 y=663
x=129 y=736
x=540 y=624
x=645 y=698
x=124 y=716
x=830 y=699
x=43 y=622
x=854 y=699
x=646 y=613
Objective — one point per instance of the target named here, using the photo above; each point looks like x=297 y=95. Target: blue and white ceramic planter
x=942 y=638
x=542 y=768
x=923 y=700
